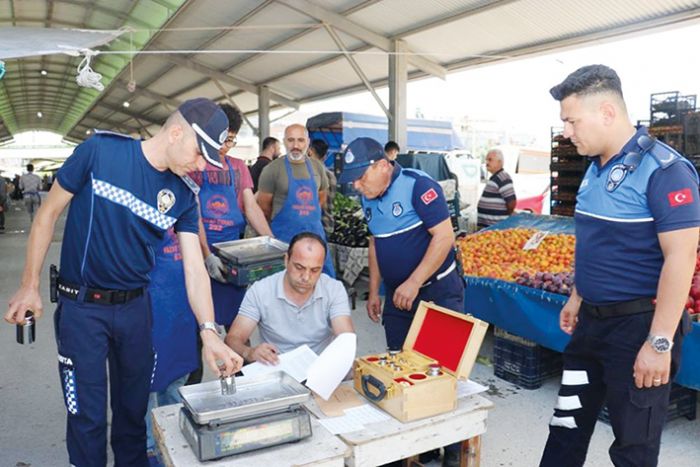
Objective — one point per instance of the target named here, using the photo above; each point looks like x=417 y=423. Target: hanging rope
x=88 y=78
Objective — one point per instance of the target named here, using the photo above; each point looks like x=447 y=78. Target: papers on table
x=354 y=419
x=469 y=388
x=295 y=363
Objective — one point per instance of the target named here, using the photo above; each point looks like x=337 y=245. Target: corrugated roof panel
x=405 y=14
x=532 y=22
x=274 y=64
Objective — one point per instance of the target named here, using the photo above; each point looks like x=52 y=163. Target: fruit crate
x=563 y=210
x=683 y=403
x=670 y=108
x=523 y=362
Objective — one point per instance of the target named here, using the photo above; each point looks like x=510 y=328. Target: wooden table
x=322 y=449
x=391 y=440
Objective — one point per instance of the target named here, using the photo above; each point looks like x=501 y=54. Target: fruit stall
x=519 y=274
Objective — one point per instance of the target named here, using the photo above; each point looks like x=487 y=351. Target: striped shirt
x=492 y=206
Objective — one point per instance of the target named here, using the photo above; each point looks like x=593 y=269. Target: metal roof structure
x=267 y=54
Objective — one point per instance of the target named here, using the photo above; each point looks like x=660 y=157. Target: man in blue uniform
x=412 y=243
x=124 y=196
x=637 y=217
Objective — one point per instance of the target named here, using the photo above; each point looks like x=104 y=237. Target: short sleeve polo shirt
x=120 y=211
x=400 y=220
x=621 y=208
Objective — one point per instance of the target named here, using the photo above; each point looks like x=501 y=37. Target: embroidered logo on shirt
x=368 y=214
x=166 y=200
x=223 y=136
x=680 y=197
x=349 y=157
x=397 y=209
x=429 y=196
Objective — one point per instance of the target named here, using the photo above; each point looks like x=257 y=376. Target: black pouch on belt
x=53 y=283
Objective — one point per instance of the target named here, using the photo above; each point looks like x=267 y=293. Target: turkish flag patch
x=429 y=196
x=680 y=197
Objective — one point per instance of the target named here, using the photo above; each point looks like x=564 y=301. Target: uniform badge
x=680 y=197
x=349 y=157
x=615 y=177
x=368 y=214
x=429 y=196
x=166 y=200
x=397 y=209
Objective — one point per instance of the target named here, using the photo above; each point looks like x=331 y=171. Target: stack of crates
x=668 y=114
x=567 y=171
x=523 y=362
x=683 y=403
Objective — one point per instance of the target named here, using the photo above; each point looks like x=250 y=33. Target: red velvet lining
x=443 y=338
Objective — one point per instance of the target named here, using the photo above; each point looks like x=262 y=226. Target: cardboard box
x=421 y=380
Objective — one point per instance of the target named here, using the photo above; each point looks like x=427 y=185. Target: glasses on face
x=231 y=141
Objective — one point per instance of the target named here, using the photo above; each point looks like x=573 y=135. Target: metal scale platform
x=264 y=411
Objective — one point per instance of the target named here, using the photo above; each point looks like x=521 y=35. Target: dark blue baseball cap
x=358 y=156
x=210 y=124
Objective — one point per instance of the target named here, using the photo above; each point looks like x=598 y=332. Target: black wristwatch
x=660 y=344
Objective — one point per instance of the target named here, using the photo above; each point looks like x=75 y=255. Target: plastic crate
x=683 y=403
x=523 y=362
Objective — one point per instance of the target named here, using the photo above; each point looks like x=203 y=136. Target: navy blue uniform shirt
x=621 y=207
x=399 y=221
x=121 y=209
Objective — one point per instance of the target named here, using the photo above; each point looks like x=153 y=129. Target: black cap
x=210 y=124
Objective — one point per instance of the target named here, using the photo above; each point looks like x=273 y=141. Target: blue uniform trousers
x=447 y=292
x=89 y=335
x=598 y=368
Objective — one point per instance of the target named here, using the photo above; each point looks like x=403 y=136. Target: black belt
x=92 y=295
x=633 y=307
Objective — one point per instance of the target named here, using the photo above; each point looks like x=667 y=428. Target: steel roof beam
x=360 y=32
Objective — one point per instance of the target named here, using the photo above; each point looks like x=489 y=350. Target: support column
x=398 y=78
x=263 y=114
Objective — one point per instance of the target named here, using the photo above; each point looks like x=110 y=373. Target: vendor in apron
x=226 y=201
x=301 y=211
x=174 y=330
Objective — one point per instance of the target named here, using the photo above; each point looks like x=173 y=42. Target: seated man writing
x=300 y=305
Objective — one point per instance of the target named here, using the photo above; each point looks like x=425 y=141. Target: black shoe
x=451 y=458
x=428 y=456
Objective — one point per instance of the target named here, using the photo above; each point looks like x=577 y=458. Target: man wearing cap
x=124 y=196
x=293 y=189
x=412 y=243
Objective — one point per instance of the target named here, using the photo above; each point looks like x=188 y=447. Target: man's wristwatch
x=660 y=344
x=212 y=326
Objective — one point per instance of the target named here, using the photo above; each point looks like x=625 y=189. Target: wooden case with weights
x=421 y=380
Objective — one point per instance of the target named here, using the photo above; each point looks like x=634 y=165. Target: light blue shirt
x=287 y=325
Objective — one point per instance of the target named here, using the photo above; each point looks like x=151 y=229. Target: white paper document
x=334 y=363
x=469 y=388
x=355 y=419
x=295 y=363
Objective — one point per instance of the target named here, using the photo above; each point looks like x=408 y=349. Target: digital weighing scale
x=265 y=411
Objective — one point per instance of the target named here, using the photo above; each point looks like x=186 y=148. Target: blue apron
x=174 y=324
x=301 y=211
x=223 y=221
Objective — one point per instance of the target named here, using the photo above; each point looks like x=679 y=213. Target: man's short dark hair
x=30 y=167
x=269 y=141
x=320 y=148
x=306 y=235
x=588 y=80
x=390 y=146
x=235 y=118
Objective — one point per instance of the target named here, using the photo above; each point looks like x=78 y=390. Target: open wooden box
x=421 y=380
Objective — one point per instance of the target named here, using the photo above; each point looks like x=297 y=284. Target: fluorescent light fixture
x=44 y=72
x=126 y=104
x=39 y=114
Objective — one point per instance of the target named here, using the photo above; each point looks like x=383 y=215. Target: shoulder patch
x=429 y=196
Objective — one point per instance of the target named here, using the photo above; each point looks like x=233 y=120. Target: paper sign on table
x=535 y=240
x=334 y=363
x=295 y=363
x=469 y=388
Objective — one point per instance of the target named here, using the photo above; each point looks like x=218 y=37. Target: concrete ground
x=32 y=414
